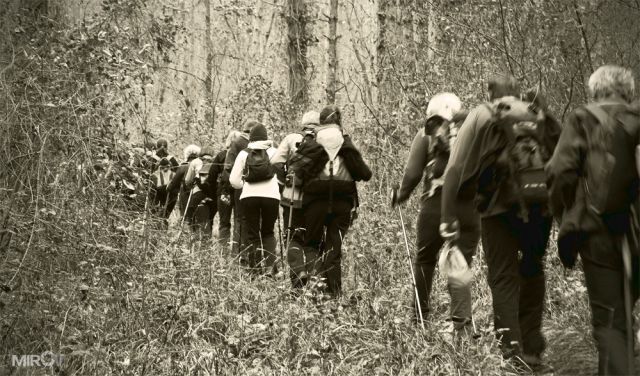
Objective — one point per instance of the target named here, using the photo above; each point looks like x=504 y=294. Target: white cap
x=444 y=105
x=311 y=118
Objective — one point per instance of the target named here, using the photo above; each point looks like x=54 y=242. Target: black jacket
x=316 y=189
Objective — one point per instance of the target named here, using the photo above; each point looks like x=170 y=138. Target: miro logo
x=46 y=359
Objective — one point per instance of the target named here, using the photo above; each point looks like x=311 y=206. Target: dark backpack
x=257 y=167
x=599 y=162
x=519 y=164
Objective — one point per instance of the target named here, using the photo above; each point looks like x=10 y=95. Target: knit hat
x=207 y=150
x=310 y=119
x=164 y=162
x=330 y=115
x=503 y=86
x=258 y=133
x=249 y=124
x=444 y=105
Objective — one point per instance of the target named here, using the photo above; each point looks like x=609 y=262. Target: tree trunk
x=209 y=77
x=297 y=51
x=333 y=53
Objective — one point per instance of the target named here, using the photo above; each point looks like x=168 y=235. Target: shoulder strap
x=600 y=114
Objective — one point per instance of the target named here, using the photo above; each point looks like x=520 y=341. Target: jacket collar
x=260 y=145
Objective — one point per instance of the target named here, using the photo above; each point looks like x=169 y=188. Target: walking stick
x=184 y=216
x=289 y=232
x=280 y=239
x=406 y=243
x=626 y=260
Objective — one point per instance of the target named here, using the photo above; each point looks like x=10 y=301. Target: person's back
x=178 y=191
x=239 y=144
x=253 y=174
x=515 y=232
x=291 y=199
x=428 y=156
x=330 y=194
x=601 y=139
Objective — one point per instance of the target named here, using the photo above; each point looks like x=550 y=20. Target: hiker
x=498 y=161
x=291 y=200
x=428 y=156
x=253 y=174
x=159 y=194
x=239 y=229
x=593 y=177
x=223 y=191
x=330 y=194
x=178 y=191
x=202 y=205
x=162 y=151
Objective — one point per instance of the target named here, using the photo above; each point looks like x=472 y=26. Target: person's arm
x=456 y=164
x=354 y=162
x=564 y=167
x=230 y=159
x=284 y=149
x=174 y=185
x=416 y=163
x=194 y=166
x=235 y=177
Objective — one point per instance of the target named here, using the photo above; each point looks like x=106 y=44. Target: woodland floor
x=192 y=310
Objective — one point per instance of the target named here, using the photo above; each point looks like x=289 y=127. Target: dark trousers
x=604 y=274
x=239 y=227
x=324 y=235
x=225 y=209
x=260 y=215
x=429 y=243
x=517 y=283
x=299 y=258
x=200 y=213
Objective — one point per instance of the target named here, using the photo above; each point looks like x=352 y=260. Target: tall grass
x=190 y=309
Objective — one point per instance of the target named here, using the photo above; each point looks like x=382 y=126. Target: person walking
x=593 y=187
x=330 y=194
x=428 y=157
x=253 y=174
x=498 y=161
x=291 y=201
x=239 y=228
x=178 y=191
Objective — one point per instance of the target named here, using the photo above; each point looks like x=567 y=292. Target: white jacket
x=193 y=171
x=285 y=150
x=267 y=188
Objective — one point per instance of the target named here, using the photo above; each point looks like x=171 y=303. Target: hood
x=264 y=145
x=331 y=138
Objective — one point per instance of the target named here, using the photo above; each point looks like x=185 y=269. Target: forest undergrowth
x=86 y=273
x=185 y=307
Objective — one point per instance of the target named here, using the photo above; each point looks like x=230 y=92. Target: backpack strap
x=600 y=114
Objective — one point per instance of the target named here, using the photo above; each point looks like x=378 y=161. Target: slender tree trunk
x=297 y=51
x=209 y=77
x=432 y=31
x=333 y=53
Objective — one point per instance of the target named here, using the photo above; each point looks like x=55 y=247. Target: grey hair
x=231 y=137
x=191 y=150
x=611 y=80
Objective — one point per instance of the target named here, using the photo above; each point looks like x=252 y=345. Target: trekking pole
x=184 y=216
x=289 y=232
x=626 y=261
x=280 y=239
x=406 y=244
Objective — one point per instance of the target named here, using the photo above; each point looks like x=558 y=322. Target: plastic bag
x=453 y=265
